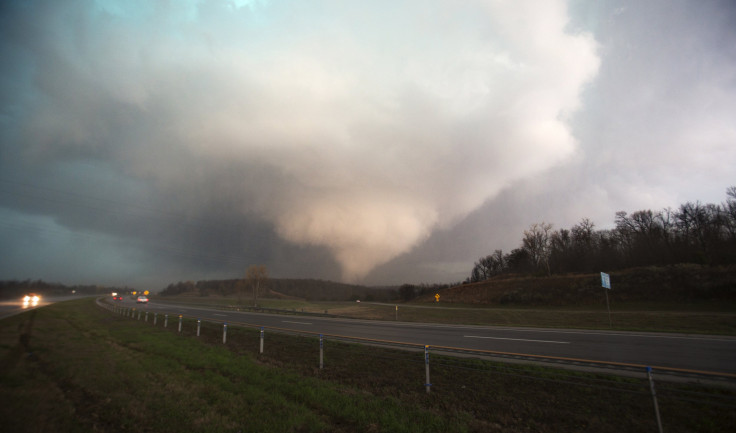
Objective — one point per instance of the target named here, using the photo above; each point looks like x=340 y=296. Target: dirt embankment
x=680 y=283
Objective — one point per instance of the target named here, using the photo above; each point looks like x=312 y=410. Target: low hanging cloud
x=357 y=126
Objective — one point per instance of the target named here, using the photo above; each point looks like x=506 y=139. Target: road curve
x=12 y=306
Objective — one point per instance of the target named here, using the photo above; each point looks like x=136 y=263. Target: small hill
x=284 y=288
x=678 y=283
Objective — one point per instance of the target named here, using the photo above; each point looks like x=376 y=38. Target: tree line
x=15 y=288
x=307 y=289
x=693 y=233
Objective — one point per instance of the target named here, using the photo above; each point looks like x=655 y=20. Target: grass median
x=75 y=367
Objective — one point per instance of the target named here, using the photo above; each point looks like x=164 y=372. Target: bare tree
x=692 y=233
x=257 y=276
x=729 y=211
x=537 y=243
x=582 y=233
x=488 y=266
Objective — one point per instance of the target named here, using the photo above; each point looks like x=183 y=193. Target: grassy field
x=717 y=318
x=80 y=368
x=75 y=367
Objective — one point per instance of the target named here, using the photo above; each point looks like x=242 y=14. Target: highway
x=13 y=306
x=713 y=354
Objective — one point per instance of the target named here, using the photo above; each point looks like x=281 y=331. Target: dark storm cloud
x=364 y=141
x=340 y=128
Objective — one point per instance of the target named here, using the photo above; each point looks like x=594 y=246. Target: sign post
x=426 y=367
x=321 y=352
x=606 y=283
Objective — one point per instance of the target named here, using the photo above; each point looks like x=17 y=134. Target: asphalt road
x=10 y=307
x=715 y=354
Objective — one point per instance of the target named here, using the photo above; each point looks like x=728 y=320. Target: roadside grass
x=76 y=367
x=84 y=369
x=496 y=396
x=548 y=399
x=716 y=318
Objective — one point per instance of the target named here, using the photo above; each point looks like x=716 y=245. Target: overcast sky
x=382 y=142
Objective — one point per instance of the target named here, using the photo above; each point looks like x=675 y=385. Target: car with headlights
x=117 y=298
x=142 y=300
x=31 y=300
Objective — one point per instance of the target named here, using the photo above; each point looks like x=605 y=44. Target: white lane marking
x=530 y=329
x=221 y=315
x=624 y=334
x=298 y=323
x=554 y=331
x=517 y=339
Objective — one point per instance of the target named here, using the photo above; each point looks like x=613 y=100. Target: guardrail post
x=224 y=333
x=166 y=320
x=427 y=384
x=180 y=318
x=654 y=398
x=199 y=325
x=261 y=349
x=321 y=352
x=155 y=318
x=146 y=316
x=139 y=314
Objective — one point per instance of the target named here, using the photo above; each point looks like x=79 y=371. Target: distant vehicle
x=117 y=298
x=31 y=300
x=142 y=300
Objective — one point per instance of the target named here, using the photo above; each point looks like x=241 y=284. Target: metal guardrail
x=642 y=386
x=610 y=366
x=285 y=311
